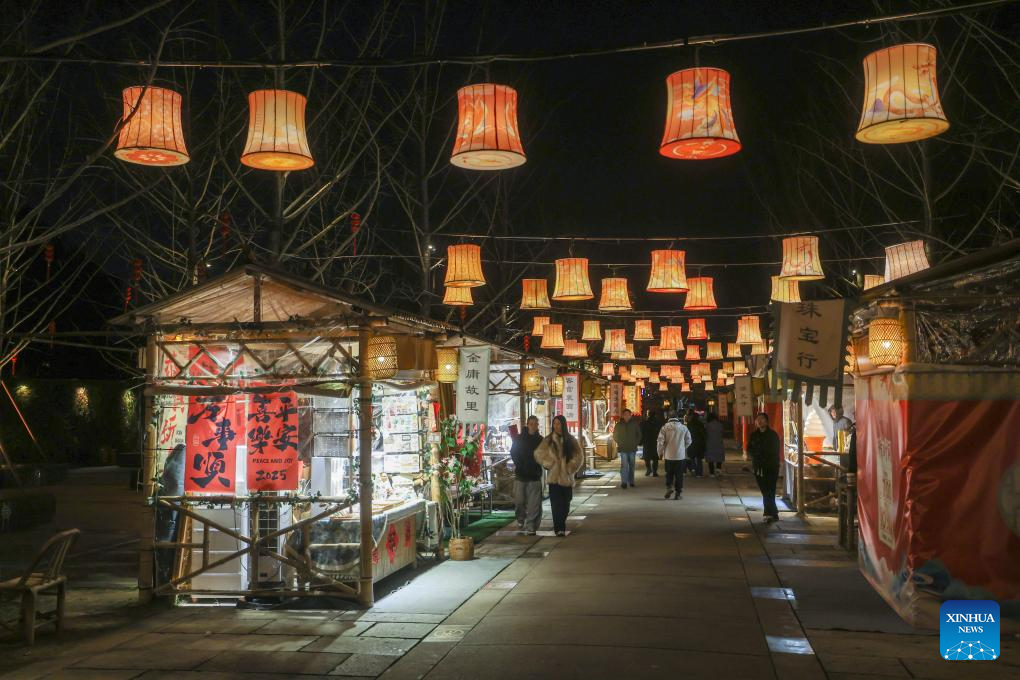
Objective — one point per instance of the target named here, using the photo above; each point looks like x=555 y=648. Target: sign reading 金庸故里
x=473 y=385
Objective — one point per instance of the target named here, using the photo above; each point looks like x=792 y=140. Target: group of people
x=560 y=454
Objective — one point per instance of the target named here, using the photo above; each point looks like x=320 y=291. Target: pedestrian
x=840 y=423
x=649 y=438
x=764 y=448
x=674 y=440
x=627 y=435
x=697 y=451
x=560 y=454
x=715 y=450
x=527 y=478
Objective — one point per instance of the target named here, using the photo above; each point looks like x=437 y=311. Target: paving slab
x=364 y=665
x=290 y=663
x=363 y=645
x=170 y=659
x=400 y=630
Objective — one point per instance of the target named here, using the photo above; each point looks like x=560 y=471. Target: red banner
x=272 y=438
x=211 y=445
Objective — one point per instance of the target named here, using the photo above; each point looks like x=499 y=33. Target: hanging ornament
x=785 y=290
x=671 y=338
x=901 y=96
x=616 y=341
x=592 y=331
x=608 y=369
x=552 y=336
x=626 y=355
x=572 y=282
x=355 y=228
x=535 y=294
x=556 y=387
x=532 y=381
x=800 y=259
x=733 y=351
x=447 y=364
x=693 y=352
x=527 y=343
x=696 y=329
x=14 y=366
x=458 y=297
x=713 y=351
x=575 y=350
x=615 y=297
x=277 y=139
x=538 y=325
x=748 y=330
x=759 y=349
x=886 y=342
x=668 y=272
x=701 y=297
x=643 y=330
x=904 y=259
x=659 y=353
x=464 y=266
x=152 y=134
x=48 y=254
x=487 y=134
x=699 y=119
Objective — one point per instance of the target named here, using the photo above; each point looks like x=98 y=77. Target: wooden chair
x=45 y=574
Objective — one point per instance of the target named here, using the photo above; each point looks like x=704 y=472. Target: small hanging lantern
x=535 y=294
x=653 y=376
x=616 y=341
x=663 y=386
x=713 y=351
x=701 y=296
x=904 y=259
x=733 y=351
x=685 y=388
x=901 y=96
x=458 y=297
x=487 y=135
x=592 y=331
x=668 y=272
x=657 y=353
x=624 y=373
x=696 y=329
x=872 y=280
x=643 y=330
x=699 y=120
x=886 y=342
x=355 y=228
x=627 y=354
x=705 y=370
x=748 y=330
x=709 y=387
x=464 y=266
x=153 y=134
x=552 y=336
x=572 y=282
x=727 y=368
x=532 y=381
x=800 y=259
x=640 y=371
x=693 y=352
x=614 y=295
x=671 y=338
x=48 y=256
x=575 y=350
x=381 y=357
x=608 y=369
x=556 y=387
x=785 y=290
x=276 y=132
x=739 y=368
x=539 y=325
x=447 y=364
x=759 y=349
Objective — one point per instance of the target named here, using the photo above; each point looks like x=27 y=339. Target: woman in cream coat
x=561 y=455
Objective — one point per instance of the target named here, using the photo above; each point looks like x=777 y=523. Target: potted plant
x=456 y=483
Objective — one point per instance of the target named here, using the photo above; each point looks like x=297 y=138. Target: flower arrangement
x=453 y=471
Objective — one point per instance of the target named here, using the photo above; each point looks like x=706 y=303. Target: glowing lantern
x=535 y=294
x=643 y=330
x=640 y=371
x=727 y=368
x=739 y=368
x=624 y=373
x=458 y=297
x=800 y=259
x=720 y=382
x=657 y=353
x=381 y=357
x=748 y=330
x=552 y=336
x=700 y=296
x=572 y=280
x=487 y=136
x=709 y=387
x=448 y=363
x=699 y=120
x=904 y=259
x=901 y=96
x=668 y=272
x=785 y=290
x=538 y=326
x=614 y=295
x=684 y=387
x=153 y=135
x=663 y=386
x=671 y=338
x=693 y=352
x=276 y=132
x=592 y=331
x=575 y=350
x=616 y=340
x=464 y=266
x=733 y=351
x=556 y=387
x=696 y=330
x=872 y=280
x=627 y=354
x=696 y=378
x=608 y=369
x=640 y=384
x=705 y=370
x=713 y=351
x=759 y=349
x=886 y=342
x=532 y=380
x=653 y=376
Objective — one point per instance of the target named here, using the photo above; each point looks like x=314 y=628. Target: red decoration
x=52 y=330
x=14 y=365
x=527 y=343
x=212 y=438
x=272 y=438
x=355 y=228
x=392 y=543
x=408 y=531
x=48 y=256
x=375 y=555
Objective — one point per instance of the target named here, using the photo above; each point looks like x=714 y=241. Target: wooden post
x=366 y=594
x=800 y=455
x=147 y=548
x=524 y=398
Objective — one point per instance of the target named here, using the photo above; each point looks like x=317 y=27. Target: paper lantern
x=640 y=371
x=720 y=382
x=709 y=387
x=614 y=295
x=657 y=353
x=276 y=132
x=671 y=338
x=464 y=266
x=624 y=373
x=696 y=378
x=739 y=368
x=759 y=349
x=800 y=259
x=608 y=369
x=643 y=330
x=535 y=294
x=458 y=297
x=886 y=342
x=663 y=386
x=575 y=350
x=447 y=364
x=696 y=330
x=785 y=290
x=668 y=272
x=748 y=330
x=616 y=340
x=653 y=376
x=153 y=135
x=713 y=351
x=705 y=370
x=639 y=383
x=487 y=135
x=699 y=120
x=872 y=280
x=538 y=325
x=684 y=387
x=627 y=353
x=381 y=357
x=693 y=352
x=901 y=96
x=904 y=259
x=572 y=280
x=701 y=296
x=733 y=351
x=727 y=368
x=592 y=331
x=556 y=387
x=552 y=336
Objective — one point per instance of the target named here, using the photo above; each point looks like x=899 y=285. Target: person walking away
x=560 y=454
x=627 y=435
x=649 y=438
x=715 y=450
x=764 y=448
x=696 y=454
x=673 y=443
x=527 y=478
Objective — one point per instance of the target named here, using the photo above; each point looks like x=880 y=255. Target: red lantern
x=487 y=136
x=48 y=256
x=355 y=228
x=699 y=120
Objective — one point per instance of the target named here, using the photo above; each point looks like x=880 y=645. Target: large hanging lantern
x=447 y=364
x=800 y=259
x=572 y=280
x=693 y=353
x=464 y=266
x=556 y=387
x=668 y=272
x=701 y=296
x=671 y=338
x=901 y=96
x=785 y=290
x=608 y=369
x=616 y=341
x=699 y=119
x=886 y=342
x=904 y=259
x=552 y=336
x=276 y=132
x=733 y=351
x=748 y=330
x=643 y=330
x=458 y=297
x=381 y=357
x=575 y=350
x=153 y=135
x=535 y=294
x=727 y=368
x=538 y=325
x=532 y=381
x=487 y=134
x=592 y=331
x=696 y=329
x=713 y=351
x=614 y=295
x=873 y=280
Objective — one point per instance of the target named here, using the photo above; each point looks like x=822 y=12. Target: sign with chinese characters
x=810 y=347
x=473 y=385
x=615 y=400
x=572 y=400
x=724 y=407
x=212 y=439
x=886 y=505
x=743 y=396
x=272 y=438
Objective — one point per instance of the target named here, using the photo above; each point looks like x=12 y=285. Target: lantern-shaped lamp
x=785 y=290
x=552 y=336
x=901 y=96
x=713 y=351
x=575 y=350
x=904 y=259
x=801 y=261
x=699 y=119
x=538 y=325
x=464 y=266
x=614 y=295
x=592 y=331
x=657 y=353
x=640 y=371
x=696 y=329
x=739 y=368
x=748 y=330
x=872 y=280
x=671 y=338
x=572 y=280
x=535 y=294
x=608 y=369
x=487 y=134
x=733 y=351
x=627 y=354
x=693 y=352
x=616 y=340
x=886 y=342
x=653 y=376
x=381 y=357
x=643 y=330
x=709 y=387
x=276 y=132
x=701 y=296
x=556 y=386
x=532 y=381
x=458 y=297
x=663 y=386
x=668 y=272
x=759 y=349
x=447 y=364
x=152 y=133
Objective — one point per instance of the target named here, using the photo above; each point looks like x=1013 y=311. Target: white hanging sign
x=743 y=396
x=572 y=400
x=473 y=385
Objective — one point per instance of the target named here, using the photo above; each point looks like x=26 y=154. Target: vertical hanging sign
x=572 y=400
x=724 y=407
x=272 y=438
x=211 y=445
x=743 y=396
x=473 y=385
x=615 y=400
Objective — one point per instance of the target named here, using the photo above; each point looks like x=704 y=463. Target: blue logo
x=969 y=630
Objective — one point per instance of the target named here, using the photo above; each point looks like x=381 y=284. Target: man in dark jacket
x=699 y=437
x=527 y=478
x=764 y=448
x=649 y=436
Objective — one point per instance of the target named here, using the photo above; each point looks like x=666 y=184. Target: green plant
x=455 y=479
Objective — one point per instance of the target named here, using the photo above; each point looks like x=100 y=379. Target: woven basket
x=462 y=549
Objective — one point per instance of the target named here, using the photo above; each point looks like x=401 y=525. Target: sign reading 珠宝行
x=473 y=385
x=811 y=344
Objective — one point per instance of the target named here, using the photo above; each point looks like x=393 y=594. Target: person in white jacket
x=674 y=438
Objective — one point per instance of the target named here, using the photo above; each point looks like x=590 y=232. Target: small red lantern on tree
x=48 y=256
x=355 y=228
x=226 y=225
